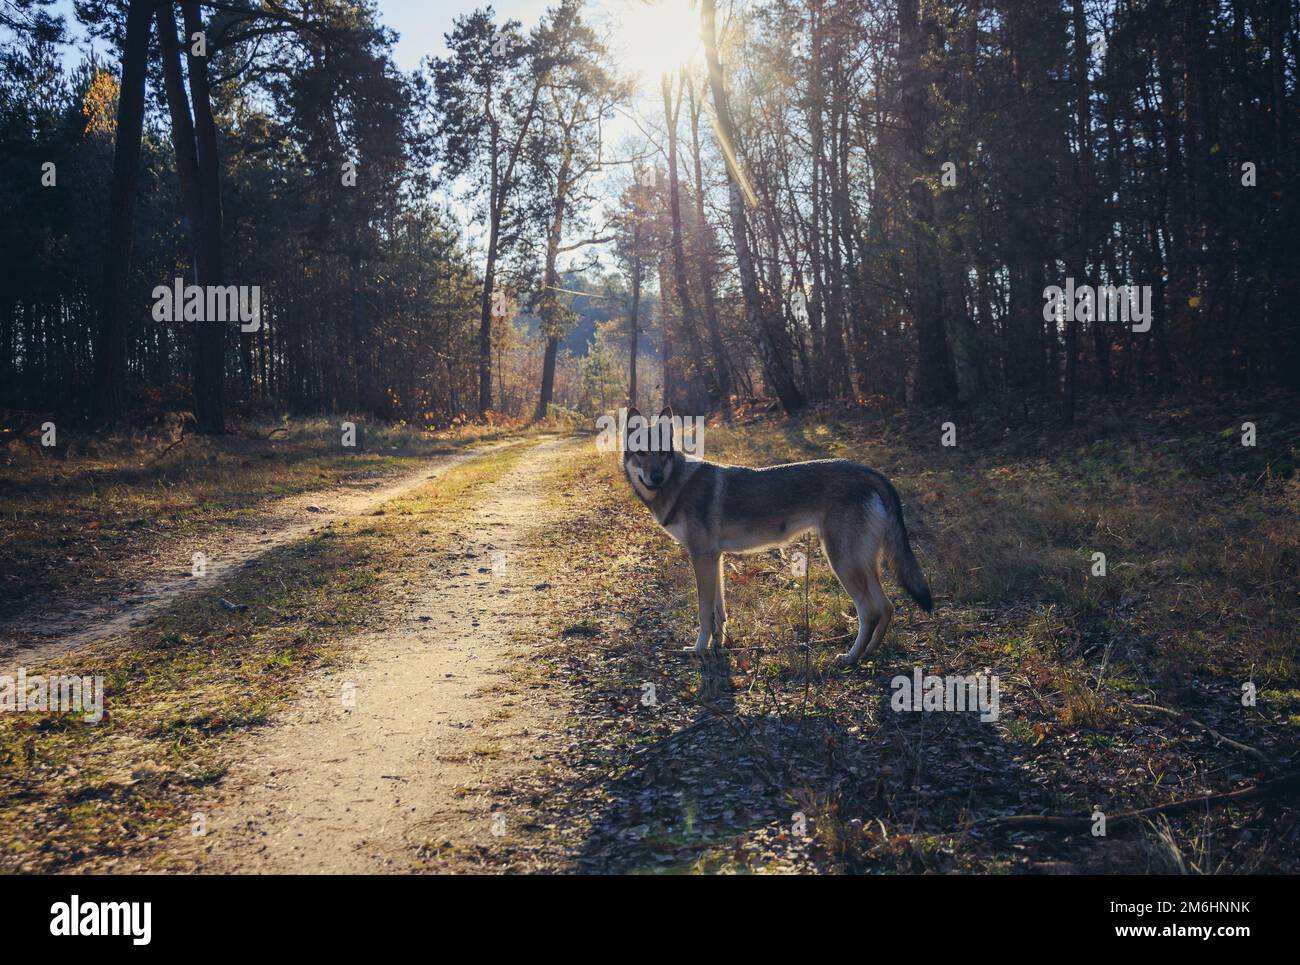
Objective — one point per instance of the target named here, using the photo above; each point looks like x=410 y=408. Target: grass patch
x=77 y=518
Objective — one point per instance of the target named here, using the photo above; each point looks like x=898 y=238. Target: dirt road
x=393 y=761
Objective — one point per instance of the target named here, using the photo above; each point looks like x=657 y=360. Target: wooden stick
x=1069 y=825
x=1244 y=748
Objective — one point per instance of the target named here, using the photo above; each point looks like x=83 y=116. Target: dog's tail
x=906 y=568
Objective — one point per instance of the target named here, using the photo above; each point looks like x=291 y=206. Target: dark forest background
x=845 y=200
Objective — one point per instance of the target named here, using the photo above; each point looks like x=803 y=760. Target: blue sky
x=421 y=24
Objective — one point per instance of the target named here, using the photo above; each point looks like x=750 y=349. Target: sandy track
x=58 y=630
x=435 y=726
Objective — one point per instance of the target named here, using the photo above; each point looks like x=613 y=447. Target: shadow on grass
x=725 y=789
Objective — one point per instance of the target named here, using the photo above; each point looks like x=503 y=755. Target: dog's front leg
x=720 y=608
x=706 y=589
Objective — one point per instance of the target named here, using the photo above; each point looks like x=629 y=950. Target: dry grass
x=1201 y=561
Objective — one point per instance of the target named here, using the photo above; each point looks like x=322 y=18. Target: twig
x=254 y=435
x=794 y=646
x=1069 y=825
x=179 y=440
x=1244 y=748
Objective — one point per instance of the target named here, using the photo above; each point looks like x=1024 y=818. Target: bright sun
x=655 y=37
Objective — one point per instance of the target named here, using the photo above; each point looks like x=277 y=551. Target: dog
x=712 y=509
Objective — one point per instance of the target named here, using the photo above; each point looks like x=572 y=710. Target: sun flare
x=655 y=37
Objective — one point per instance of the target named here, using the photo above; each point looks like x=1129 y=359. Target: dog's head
x=648 y=450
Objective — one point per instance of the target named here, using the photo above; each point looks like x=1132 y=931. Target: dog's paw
x=688 y=650
x=844 y=660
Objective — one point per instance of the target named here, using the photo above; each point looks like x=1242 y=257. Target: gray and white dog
x=711 y=509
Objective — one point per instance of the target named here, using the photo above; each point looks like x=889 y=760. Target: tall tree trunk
x=548 y=377
x=704 y=258
x=666 y=342
x=209 y=362
x=1176 y=223
x=485 y=325
x=863 y=305
x=363 y=393
x=1083 y=118
x=935 y=382
x=496 y=189
x=959 y=326
x=825 y=352
x=110 y=343
x=187 y=158
x=550 y=308
x=502 y=183
x=634 y=320
x=770 y=328
x=687 y=307
x=178 y=105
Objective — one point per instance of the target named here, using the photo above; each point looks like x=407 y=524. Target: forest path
x=72 y=625
x=405 y=774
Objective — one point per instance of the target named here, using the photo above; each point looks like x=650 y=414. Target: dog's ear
x=665 y=429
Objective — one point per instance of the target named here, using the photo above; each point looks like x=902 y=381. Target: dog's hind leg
x=846 y=558
x=706 y=589
x=883 y=607
x=868 y=620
